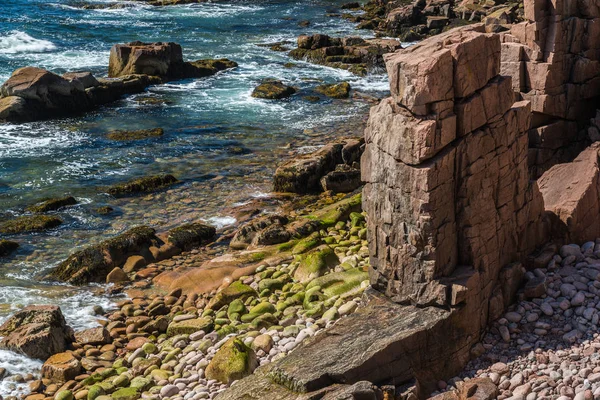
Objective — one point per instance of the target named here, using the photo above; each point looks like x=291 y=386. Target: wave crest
x=20 y=42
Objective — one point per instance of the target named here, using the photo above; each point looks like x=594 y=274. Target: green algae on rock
x=146 y=184
x=315 y=263
x=30 y=223
x=121 y=135
x=232 y=362
x=7 y=247
x=93 y=264
x=52 y=204
x=272 y=89
x=237 y=290
x=335 y=91
x=190 y=326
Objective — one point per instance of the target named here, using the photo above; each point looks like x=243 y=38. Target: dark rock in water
x=52 y=204
x=354 y=54
x=247 y=233
x=164 y=60
x=33 y=93
x=37 y=332
x=189 y=236
x=304 y=23
x=273 y=89
x=303 y=174
x=146 y=184
x=30 y=223
x=351 y=6
x=93 y=263
x=335 y=91
x=105 y=210
x=135 y=135
x=344 y=179
x=7 y=247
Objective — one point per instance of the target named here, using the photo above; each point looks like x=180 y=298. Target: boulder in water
x=52 y=204
x=145 y=184
x=37 y=332
x=135 y=135
x=30 y=223
x=7 y=247
x=273 y=89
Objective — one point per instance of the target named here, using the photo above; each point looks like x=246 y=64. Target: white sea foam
x=20 y=42
x=16 y=364
x=220 y=222
x=35 y=140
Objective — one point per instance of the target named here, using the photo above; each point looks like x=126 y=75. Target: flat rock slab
x=380 y=342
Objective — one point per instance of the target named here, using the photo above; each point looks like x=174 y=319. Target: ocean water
x=219 y=141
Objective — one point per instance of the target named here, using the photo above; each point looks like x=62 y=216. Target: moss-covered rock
x=146 y=184
x=93 y=263
x=237 y=290
x=315 y=263
x=340 y=283
x=272 y=89
x=261 y=308
x=307 y=243
x=122 y=135
x=129 y=393
x=193 y=235
x=94 y=392
x=104 y=210
x=335 y=91
x=64 y=395
x=232 y=362
x=208 y=67
x=52 y=204
x=190 y=326
x=7 y=247
x=30 y=223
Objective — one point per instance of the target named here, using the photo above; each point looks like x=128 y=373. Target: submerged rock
x=30 y=223
x=273 y=89
x=7 y=247
x=135 y=135
x=52 y=204
x=146 y=184
x=36 y=331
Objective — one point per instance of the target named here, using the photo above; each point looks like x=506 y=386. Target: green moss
x=258 y=256
x=307 y=243
x=286 y=246
x=30 y=223
x=232 y=362
x=135 y=135
x=190 y=326
x=237 y=290
x=129 y=393
x=340 y=283
x=270 y=284
x=146 y=184
x=104 y=210
x=94 y=392
x=315 y=263
x=191 y=235
x=52 y=204
x=7 y=247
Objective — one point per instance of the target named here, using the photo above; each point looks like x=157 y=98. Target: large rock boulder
x=61 y=368
x=571 y=194
x=164 y=60
x=232 y=362
x=303 y=174
x=37 y=332
x=133 y=58
x=94 y=263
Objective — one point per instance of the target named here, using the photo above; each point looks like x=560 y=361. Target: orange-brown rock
x=61 y=367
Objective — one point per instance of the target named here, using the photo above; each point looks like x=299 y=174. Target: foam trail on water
x=20 y=42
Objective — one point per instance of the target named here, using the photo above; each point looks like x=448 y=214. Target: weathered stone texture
x=554 y=59
x=448 y=184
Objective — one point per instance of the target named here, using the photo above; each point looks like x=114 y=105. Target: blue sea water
x=222 y=143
